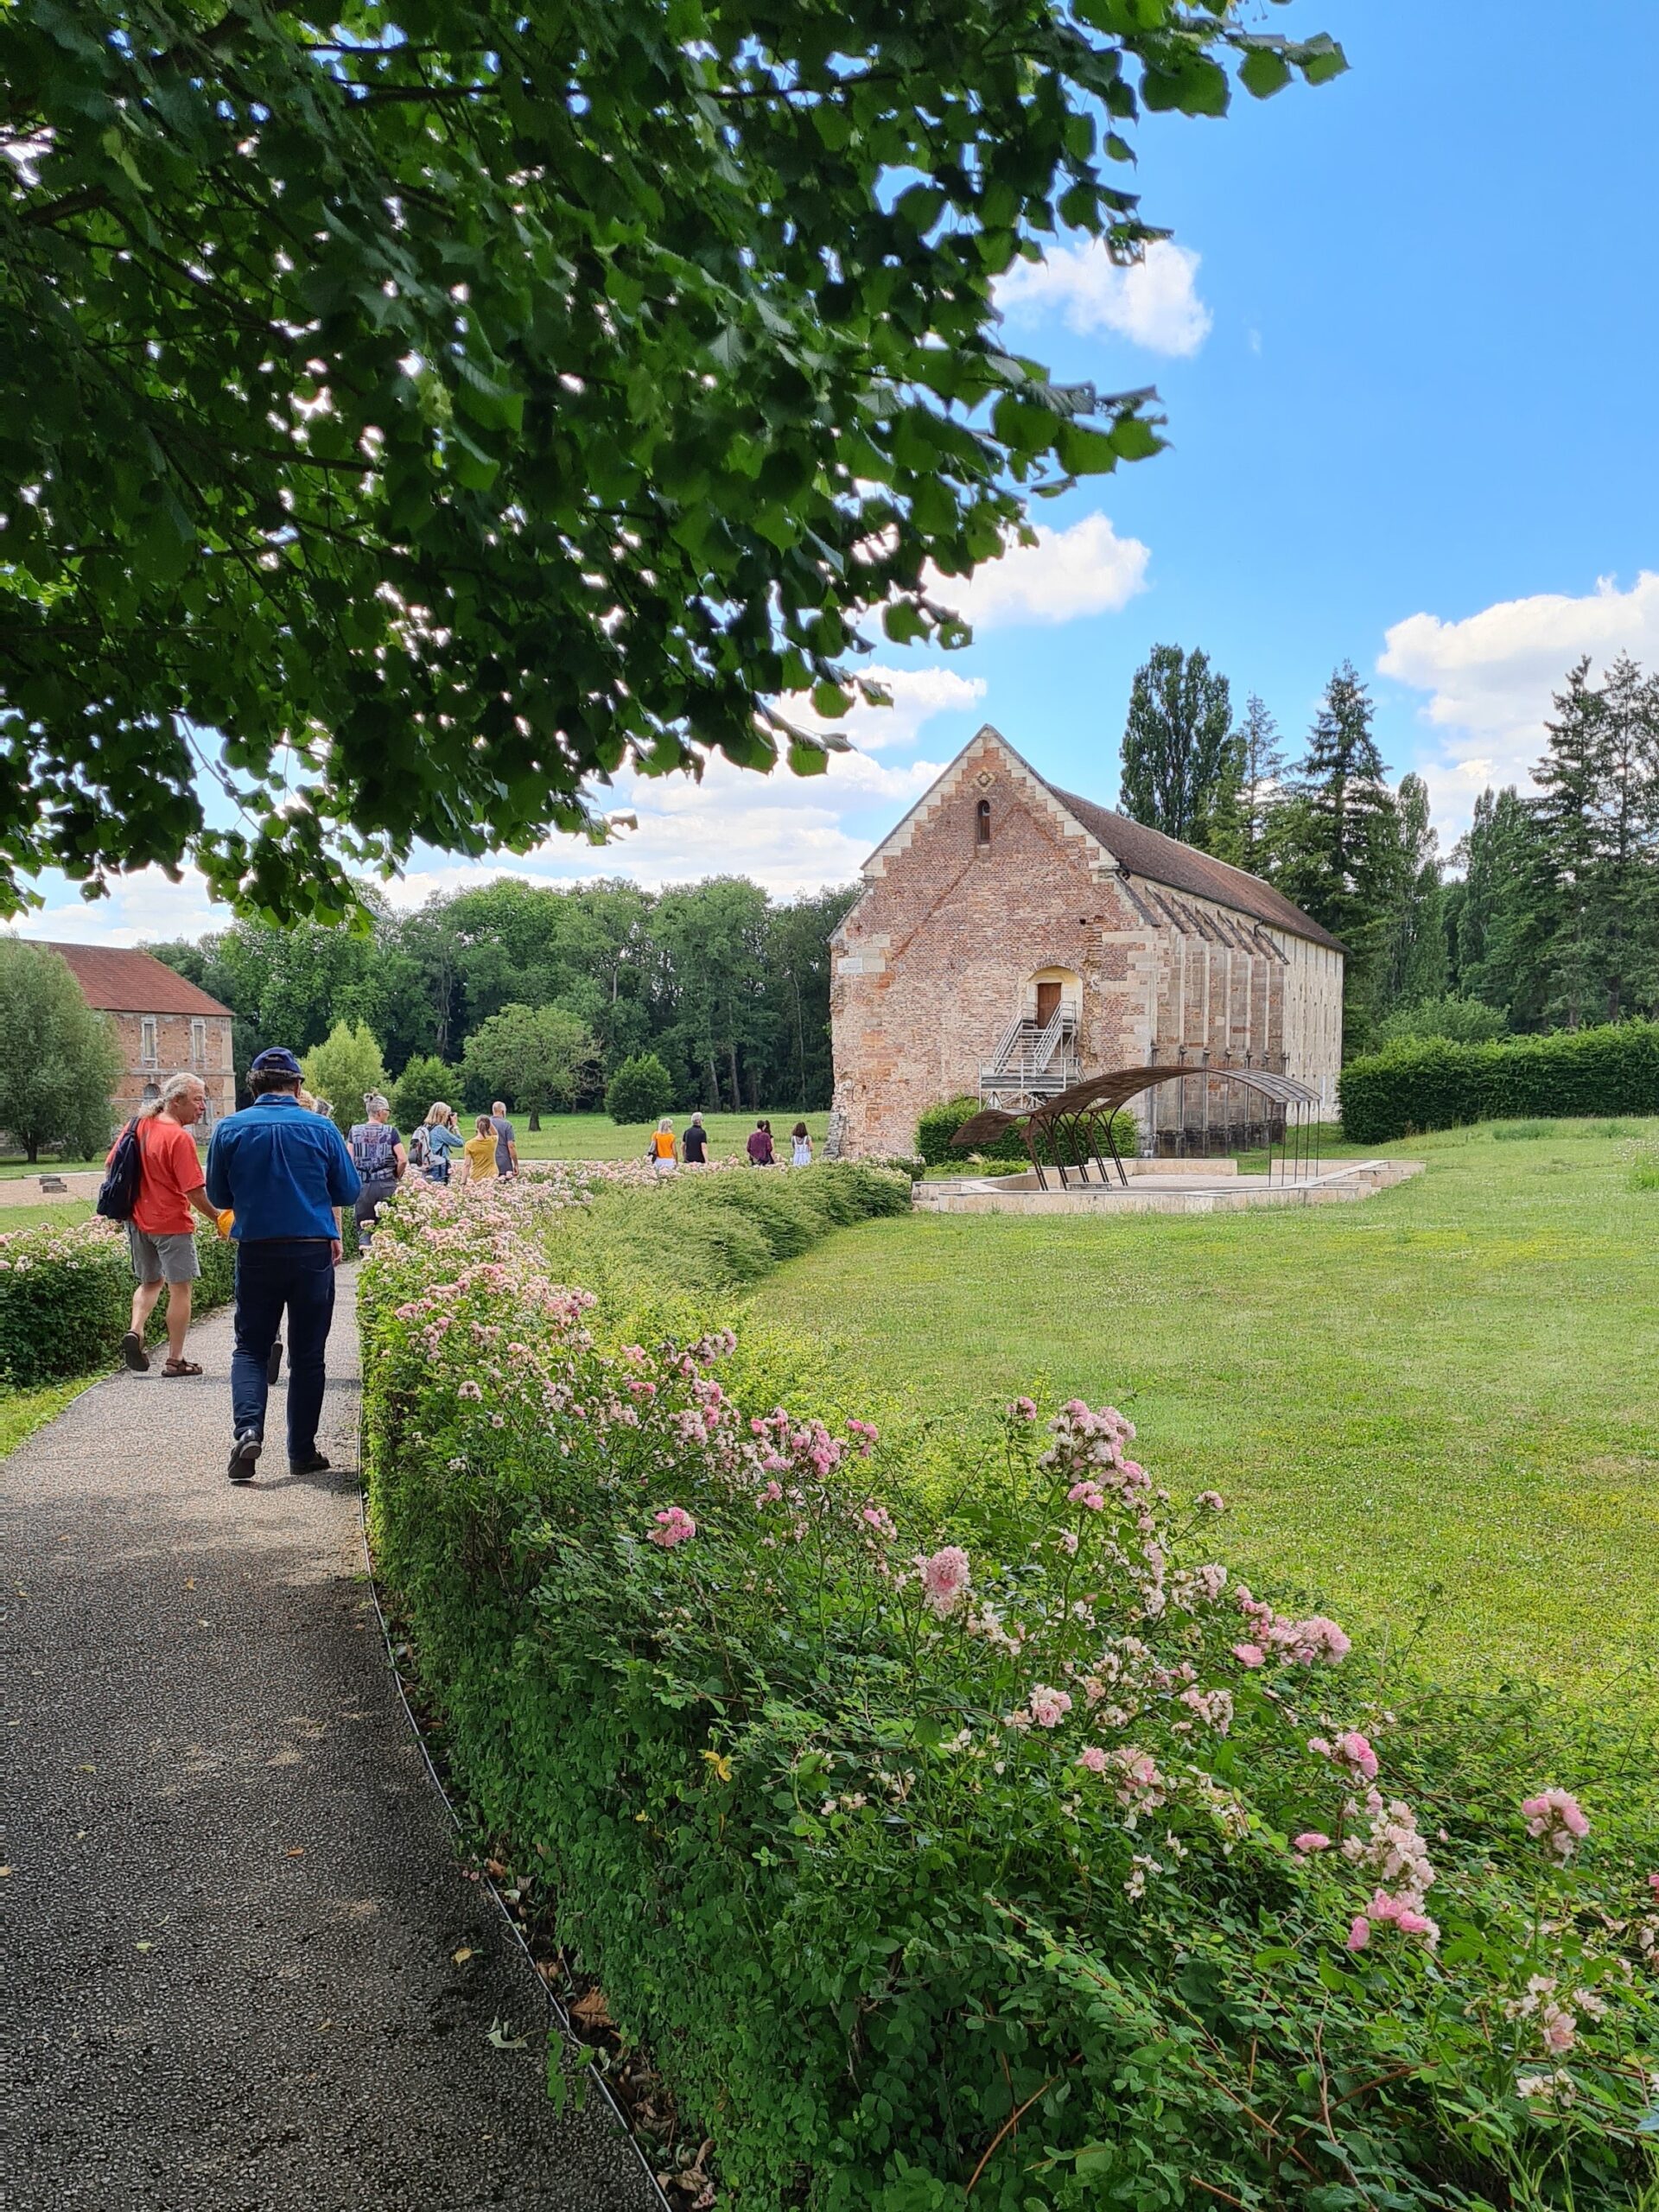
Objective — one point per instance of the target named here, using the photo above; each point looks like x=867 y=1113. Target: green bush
x=1436 y=1084
x=1463 y=1021
x=939 y=1124
x=66 y=1298
x=640 y=1090
x=887 y=1825
x=424 y=1080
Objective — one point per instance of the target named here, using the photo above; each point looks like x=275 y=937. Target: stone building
x=163 y=1023
x=1012 y=938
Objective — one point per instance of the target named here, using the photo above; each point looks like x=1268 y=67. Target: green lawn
x=1441 y=1402
x=595 y=1136
x=59 y=1210
x=14 y=1169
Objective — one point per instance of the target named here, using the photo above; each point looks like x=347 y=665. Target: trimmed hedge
x=939 y=1124
x=66 y=1297
x=1431 y=1083
x=884 y=1847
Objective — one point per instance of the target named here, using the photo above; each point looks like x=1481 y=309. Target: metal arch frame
x=1075 y=1120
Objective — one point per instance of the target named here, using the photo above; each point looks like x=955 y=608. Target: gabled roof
x=1137 y=850
x=1183 y=867
x=118 y=981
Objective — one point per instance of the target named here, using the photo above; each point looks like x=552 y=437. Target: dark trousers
x=298 y=1273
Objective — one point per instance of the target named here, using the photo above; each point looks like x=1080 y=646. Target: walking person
x=665 y=1152
x=800 y=1152
x=285 y=1173
x=506 y=1140
x=378 y=1156
x=162 y=1234
x=443 y=1141
x=480 y=1152
x=695 y=1146
x=758 y=1147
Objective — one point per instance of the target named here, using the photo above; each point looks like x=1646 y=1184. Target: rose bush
x=66 y=1293
x=954 y=1824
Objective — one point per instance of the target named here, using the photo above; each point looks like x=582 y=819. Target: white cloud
x=917 y=695
x=1153 y=302
x=141 y=908
x=1491 y=676
x=1087 y=569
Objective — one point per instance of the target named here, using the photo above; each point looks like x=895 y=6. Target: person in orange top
x=665 y=1150
x=161 y=1234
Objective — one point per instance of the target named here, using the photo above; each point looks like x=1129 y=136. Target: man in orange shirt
x=172 y=1188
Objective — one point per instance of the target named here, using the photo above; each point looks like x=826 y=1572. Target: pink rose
x=1093 y=1757
x=1249 y=1655
x=1311 y=1839
x=1049 y=1706
x=1359 y=1932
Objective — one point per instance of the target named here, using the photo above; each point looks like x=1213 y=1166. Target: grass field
x=1441 y=1404
x=59 y=1210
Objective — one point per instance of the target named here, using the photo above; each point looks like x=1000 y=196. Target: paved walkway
x=233 y=1901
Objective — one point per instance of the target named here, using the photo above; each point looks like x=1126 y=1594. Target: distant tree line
x=1545 y=915
x=541 y=995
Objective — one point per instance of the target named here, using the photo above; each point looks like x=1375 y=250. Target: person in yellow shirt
x=665 y=1150
x=480 y=1151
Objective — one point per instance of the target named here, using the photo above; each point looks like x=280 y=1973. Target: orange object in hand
x=223 y=1221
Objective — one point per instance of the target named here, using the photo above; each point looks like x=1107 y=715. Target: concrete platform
x=1166 y=1186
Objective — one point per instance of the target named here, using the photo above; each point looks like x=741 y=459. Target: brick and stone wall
x=156 y=1045
x=946 y=945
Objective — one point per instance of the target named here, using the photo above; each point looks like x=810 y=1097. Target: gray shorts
x=163 y=1259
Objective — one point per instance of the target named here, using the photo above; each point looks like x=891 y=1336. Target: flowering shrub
x=66 y=1293
x=1010 y=1852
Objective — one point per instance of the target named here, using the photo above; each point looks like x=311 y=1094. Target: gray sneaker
x=244 y=1457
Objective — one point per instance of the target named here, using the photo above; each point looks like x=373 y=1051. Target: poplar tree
x=1179 y=759
x=1261 y=782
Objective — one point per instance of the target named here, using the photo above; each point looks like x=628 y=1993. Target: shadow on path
x=233 y=1901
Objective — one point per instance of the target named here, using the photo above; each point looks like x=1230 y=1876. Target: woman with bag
x=378 y=1156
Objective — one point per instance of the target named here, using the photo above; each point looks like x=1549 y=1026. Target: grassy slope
x=1453 y=1386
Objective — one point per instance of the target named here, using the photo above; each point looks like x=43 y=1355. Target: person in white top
x=800 y=1154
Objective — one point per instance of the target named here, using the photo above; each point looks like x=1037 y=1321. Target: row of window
x=150 y=1041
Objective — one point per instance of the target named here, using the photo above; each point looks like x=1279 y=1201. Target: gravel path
x=234 y=1903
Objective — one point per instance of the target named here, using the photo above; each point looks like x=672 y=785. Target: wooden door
x=1048 y=1003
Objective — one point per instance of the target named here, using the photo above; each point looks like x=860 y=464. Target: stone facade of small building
x=1000 y=902
x=165 y=1025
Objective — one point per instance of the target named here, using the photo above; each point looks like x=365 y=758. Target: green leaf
x=1262 y=73
x=1084 y=452
x=1134 y=439
x=830 y=700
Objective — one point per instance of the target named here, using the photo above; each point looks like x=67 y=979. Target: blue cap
x=276 y=1059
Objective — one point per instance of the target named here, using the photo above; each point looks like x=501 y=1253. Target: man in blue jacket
x=283 y=1173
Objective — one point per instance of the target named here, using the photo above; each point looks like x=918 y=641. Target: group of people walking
x=278 y=1178
x=667 y=1152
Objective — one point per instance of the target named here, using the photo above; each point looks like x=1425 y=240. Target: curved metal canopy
x=1104 y=1094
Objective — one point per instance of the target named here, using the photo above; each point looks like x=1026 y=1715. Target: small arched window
x=983 y=826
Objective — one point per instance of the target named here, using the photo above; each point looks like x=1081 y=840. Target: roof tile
x=117 y=980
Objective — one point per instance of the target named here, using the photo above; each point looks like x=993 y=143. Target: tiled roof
x=1183 y=867
x=118 y=981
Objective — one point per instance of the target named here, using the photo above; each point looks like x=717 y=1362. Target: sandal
x=179 y=1367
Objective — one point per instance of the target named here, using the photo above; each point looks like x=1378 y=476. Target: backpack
x=419 y=1146
x=371 y=1151
x=117 y=1194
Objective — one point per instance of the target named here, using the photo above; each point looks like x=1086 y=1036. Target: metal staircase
x=1030 y=1064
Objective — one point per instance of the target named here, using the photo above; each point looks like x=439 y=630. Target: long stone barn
x=1012 y=938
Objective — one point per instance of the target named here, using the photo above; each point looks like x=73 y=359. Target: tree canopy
x=1180 y=757
x=58 y=1061
x=411 y=415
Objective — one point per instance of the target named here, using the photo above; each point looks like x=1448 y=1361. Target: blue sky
x=1405 y=339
